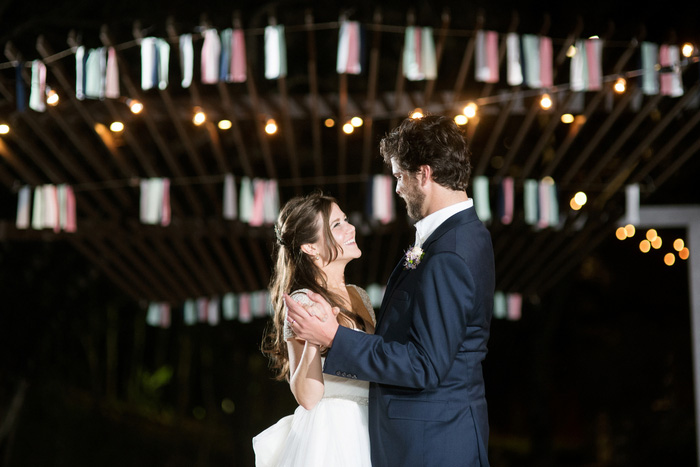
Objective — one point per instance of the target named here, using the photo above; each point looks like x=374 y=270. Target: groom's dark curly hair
x=431 y=140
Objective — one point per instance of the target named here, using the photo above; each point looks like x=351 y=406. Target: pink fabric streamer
x=165 y=211
x=546 y=62
x=508 y=192
x=238 y=57
x=593 y=61
x=492 y=56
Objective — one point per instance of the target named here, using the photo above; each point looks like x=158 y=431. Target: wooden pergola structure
x=615 y=140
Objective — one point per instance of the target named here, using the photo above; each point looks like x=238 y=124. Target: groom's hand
x=316 y=324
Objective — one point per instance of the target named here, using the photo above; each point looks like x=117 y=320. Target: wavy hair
x=432 y=140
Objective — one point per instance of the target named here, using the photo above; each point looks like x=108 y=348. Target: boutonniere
x=413 y=257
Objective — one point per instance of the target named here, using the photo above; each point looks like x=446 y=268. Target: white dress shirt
x=428 y=224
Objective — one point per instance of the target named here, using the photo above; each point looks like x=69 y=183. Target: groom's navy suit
x=426 y=401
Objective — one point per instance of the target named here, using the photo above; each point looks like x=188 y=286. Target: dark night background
x=598 y=372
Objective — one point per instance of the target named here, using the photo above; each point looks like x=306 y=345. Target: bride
x=315 y=242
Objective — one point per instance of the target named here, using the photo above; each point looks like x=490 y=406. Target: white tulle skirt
x=334 y=433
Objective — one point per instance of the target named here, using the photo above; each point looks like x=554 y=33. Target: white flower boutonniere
x=413 y=257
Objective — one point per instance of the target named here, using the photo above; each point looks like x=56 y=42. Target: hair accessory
x=278 y=237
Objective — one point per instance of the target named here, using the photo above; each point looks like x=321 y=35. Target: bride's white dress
x=333 y=433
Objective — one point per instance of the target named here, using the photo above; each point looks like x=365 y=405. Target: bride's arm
x=305 y=372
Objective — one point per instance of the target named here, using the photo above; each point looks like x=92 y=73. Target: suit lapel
x=400 y=273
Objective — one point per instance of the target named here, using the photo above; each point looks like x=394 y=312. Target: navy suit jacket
x=426 y=402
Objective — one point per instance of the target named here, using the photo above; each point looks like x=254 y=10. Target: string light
x=621 y=233
x=199 y=116
x=356 y=122
x=620 y=85
x=271 y=126
x=669 y=259
x=4 y=129
x=571 y=51
x=116 y=127
x=656 y=243
x=644 y=246
x=687 y=50
x=651 y=234
x=567 y=118
x=684 y=253
x=418 y=113
x=51 y=97
x=135 y=106
x=470 y=110
x=546 y=102
x=329 y=122
x=578 y=201
x=461 y=119
x=224 y=124
x=630 y=230
x=678 y=244
x=348 y=128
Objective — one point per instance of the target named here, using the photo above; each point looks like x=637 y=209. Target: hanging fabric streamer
x=244 y=312
x=21 y=92
x=149 y=70
x=349 y=46
x=245 y=205
x=70 y=208
x=213 y=311
x=544 y=207
x=376 y=294
x=239 y=67
x=230 y=198
x=500 y=307
x=382 y=199
x=271 y=208
x=419 y=62
x=165 y=206
x=531 y=58
x=186 y=59
x=486 y=69
x=211 y=55
x=632 y=203
x=650 y=76
x=95 y=70
x=189 y=312
x=546 y=62
x=508 y=193
x=481 y=198
x=275 y=52
x=515 y=303
x=579 y=68
x=50 y=208
x=112 y=75
x=23 y=207
x=594 y=61
x=671 y=83
x=155 y=201
x=38 y=208
x=37 y=93
x=229 y=304
x=80 y=72
x=514 y=66
x=258 y=213
x=530 y=201
x=163 y=64
x=553 y=220
x=225 y=56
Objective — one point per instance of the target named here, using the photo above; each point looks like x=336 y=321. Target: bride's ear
x=309 y=249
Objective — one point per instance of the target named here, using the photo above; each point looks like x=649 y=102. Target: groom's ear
x=425 y=174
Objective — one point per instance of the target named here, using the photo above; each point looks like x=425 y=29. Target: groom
x=427 y=405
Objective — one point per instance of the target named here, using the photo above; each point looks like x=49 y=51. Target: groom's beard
x=414 y=199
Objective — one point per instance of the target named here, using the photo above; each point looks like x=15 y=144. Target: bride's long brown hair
x=298 y=224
